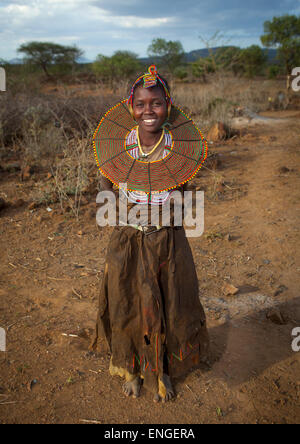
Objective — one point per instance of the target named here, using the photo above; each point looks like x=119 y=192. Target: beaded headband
x=151 y=78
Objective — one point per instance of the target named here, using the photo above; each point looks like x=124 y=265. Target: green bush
x=273 y=71
x=180 y=73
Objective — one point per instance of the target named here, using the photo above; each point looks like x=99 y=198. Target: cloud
x=201 y=9
x=104 y=26
x=136 y=22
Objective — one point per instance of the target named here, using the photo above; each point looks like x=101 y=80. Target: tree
x=122 y=65
x=229 y=59
x=202 y=67
x=169 y=54
x=44 y=54
x=283 y=33
x=273 y=71
x=253 y=60
x=211 y=44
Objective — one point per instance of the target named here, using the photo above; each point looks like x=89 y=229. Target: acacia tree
x=283 y=33
x=169 y=53
x=44 y=54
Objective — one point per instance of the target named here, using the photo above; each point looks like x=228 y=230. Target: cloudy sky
x=104 y=26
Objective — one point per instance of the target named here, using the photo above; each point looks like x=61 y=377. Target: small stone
x=229 y=289
x=283 y=170
x=276 y=316
x=280 y=289
x=3 y=203
x=217 y=132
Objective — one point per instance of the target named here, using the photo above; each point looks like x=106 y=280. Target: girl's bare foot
x=168 y=392
x=132 y=387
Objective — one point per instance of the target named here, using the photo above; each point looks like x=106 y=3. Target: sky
x=105 y=26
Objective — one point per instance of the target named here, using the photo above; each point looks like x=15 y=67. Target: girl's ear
x=169 y=108
x=129 y=106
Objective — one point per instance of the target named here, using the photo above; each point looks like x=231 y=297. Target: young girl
x=149 y=308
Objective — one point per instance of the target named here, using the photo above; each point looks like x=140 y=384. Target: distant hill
x=19 y=61
x=194 y=55
x=191 y=56
x=15 y=61
x=84 y=60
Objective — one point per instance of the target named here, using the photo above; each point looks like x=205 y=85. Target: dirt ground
x=51 y=270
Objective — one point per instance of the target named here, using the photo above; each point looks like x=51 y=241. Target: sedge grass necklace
x=145 y=155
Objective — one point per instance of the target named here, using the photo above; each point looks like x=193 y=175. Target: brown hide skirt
x=149 y=308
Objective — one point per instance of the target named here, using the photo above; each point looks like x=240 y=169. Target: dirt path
x=51 y=268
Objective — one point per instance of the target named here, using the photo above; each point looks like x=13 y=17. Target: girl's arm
x=185 y=186
x=106 y=184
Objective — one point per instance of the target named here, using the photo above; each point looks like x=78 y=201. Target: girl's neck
x=148 y=140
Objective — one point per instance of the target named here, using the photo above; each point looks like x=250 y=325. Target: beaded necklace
x=145 y=155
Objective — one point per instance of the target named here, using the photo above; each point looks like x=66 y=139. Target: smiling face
x=149 y=108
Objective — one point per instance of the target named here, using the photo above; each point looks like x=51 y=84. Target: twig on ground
x=71 y=336
x=90 y=421
x=10 y=326
x=10 y=402
x=76 y=293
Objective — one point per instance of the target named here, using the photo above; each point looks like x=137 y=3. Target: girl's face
x=149 y=108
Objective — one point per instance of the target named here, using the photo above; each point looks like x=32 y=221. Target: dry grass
x=54 y=132
x=71 y=174
x=216 y=100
